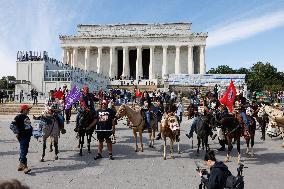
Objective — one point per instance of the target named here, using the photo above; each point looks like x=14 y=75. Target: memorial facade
x=136 y=51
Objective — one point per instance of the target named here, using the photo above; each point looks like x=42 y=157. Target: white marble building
x=136 y=50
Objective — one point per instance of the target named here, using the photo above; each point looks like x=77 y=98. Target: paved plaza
x=130 y=169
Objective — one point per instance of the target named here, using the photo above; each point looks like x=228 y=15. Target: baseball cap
x=25 y=107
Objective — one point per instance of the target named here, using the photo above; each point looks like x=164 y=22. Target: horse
x=276 y=118
x=249 y=137
x=170 y=128
x=203 y=130
x=47 y=126
x=138 y=121
x=85 y=119
x=232 y=131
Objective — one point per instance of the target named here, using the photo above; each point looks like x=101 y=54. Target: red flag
x=229 y=97
x=138 y=93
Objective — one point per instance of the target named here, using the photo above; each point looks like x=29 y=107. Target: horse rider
x=21 y=126
x=160 y=112
x=105 y=127
x=223 y=112
x=242 y=111
x=58 y=107
x=87 y=105
x=194 y=122
x=146 y=104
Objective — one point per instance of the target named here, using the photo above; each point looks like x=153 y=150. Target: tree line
x=261 y=76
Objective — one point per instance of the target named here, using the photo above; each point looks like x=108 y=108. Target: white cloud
x=244 y=29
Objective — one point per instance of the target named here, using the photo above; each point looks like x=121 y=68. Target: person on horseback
x=146 y=104
x=242 y=111
x=104 y=119
x=194 y=122
x=223 y=112
x=86 y=105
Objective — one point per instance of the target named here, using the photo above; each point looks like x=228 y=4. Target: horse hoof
x=165 y=158
x=41 y=160
x=179 y=152
x=56 y=158
x=81 y=154
x=89 y=152
x=142 y=150
x=50 y=150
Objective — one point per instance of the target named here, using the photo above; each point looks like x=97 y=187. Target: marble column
x=64 y=56
x=190 y=63
x=177 y=60
x=99 y=59
x=152 y=62
x=112 y=62
x=202 y=59
x=75 y=57
x=139 y=68
x=68 y=57
x=125 y=71
x=165 y=61
x=87 y=58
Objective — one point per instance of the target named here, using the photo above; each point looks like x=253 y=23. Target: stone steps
x=14 y=108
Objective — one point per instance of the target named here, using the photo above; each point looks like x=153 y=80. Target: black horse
x=84 y=120
x=204 y=130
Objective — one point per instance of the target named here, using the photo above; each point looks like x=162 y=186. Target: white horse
x=276 y=121
x=46 y=126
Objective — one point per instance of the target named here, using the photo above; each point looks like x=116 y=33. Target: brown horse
x=170 y=129
x=232 y=131
x=138 y=121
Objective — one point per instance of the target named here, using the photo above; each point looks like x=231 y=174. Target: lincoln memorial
x=136 y=51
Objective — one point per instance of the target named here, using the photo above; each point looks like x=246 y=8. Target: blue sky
x=241 y=32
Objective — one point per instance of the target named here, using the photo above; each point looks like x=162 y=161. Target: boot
x=26 y=169
x=63 y=131
x=222 y=143
x=188 y=135
x=21 y=167
x=158 y=136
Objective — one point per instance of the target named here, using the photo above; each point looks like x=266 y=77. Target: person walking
x=21 y=126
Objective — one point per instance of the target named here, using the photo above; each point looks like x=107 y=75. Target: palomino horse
x=170 y=128
x=276 y=118
x=138 y=124
x=48 y=125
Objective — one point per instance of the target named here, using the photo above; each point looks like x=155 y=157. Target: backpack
x=14 y=127
x=235 y=182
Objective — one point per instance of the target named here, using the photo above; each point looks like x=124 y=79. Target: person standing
x=21 y=126
x=35 y=94
x=105 y=127
x=21 y=96
x=218 y=172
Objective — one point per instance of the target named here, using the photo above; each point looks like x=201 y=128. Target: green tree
x=5 y=85
x=223 y=69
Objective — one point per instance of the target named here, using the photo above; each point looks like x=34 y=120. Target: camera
x=202 y=170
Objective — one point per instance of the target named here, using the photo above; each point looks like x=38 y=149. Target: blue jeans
x=24 y=147
x=193 y=126
x=148 y=119
x=245 y=120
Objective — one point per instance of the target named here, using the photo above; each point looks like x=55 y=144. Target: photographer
x=218 y=172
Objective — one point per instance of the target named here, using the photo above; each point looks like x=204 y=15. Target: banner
x=229 y=97
x=74 y=95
